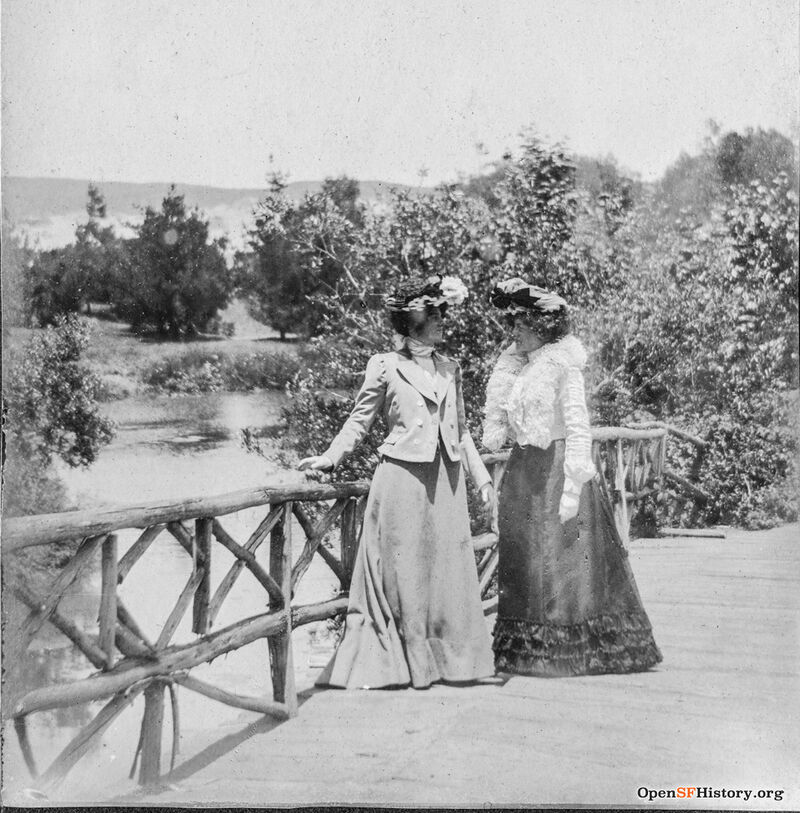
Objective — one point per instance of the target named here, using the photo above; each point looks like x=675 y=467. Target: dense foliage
x=50 y=404
x=172 y=277
x=689 y=312
x=68 y=279
x=297 y=252
x=211 y=371
x=684 y=292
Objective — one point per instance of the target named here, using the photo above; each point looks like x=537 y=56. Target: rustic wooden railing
x=129 y=663
x=685 y=486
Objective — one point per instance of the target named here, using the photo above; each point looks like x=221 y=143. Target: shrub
x=193 y=372
x=690 y=319
x=206 y=371
x=704 y=335
x=51 y=407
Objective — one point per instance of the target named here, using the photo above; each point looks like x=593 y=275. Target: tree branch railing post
x=108 y=599
x=152 y=731
x=202 y=538
x=280 y=645
x=349 y=541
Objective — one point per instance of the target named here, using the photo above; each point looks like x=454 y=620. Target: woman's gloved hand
x=568 y=507
x=316 y=462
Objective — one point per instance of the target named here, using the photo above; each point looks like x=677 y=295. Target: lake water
x=168 y=448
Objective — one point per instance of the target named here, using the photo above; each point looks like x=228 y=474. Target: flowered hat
x=418 y=293
x=516 y=296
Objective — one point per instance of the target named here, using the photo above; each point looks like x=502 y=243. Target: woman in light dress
x=414 y=615
x=568 y=603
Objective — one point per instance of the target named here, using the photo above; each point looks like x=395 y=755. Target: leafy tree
x=704 y=335
x=536 y=213
x=68 y=279
x=484 y=185
x=688 y=317
x=172 y=277
x=344 y=193
x=757 y=155
x=694 y=184
x=447 y=232
x=761 y=226
x=51 y=409
x=58 y=284
x=294 y=255
x=99 y=250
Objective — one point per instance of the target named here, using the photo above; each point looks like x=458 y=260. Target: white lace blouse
x=540 y=399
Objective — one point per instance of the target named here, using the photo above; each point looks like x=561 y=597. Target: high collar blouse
x=535 y=399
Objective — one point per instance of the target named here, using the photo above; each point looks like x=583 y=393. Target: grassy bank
x=128 y=364
x=212 y=370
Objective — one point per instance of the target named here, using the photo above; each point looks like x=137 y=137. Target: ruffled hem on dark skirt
x=607 y=644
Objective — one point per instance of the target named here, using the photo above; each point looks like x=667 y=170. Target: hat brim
x=420 y=303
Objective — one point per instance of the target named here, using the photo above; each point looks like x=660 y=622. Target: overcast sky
x=201 y=91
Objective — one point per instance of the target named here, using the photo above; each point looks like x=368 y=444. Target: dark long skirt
x=414 y=614
x=568 y=603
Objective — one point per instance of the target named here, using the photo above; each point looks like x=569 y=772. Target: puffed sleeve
x=369 y=402
x=472 y=460
x=495 y=416
x=578 y=465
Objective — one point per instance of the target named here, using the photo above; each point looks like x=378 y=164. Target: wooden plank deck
x=721 y=711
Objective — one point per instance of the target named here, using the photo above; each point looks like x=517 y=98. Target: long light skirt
x=414 y=615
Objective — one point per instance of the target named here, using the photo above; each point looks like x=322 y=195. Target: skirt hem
x=606 y=644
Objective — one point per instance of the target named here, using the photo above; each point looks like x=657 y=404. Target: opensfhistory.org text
x=706 y=792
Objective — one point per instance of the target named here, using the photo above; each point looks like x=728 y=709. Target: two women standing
x=568 y=603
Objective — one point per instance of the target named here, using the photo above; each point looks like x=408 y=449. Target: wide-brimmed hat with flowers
x=434 y=290
x=517 y=296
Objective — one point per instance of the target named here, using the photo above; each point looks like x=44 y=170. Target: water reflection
x=165 y=448
x=170 y=447
x=46 y=667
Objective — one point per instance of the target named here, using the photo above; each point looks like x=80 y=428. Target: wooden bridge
x=721 y=711
x=128 y=662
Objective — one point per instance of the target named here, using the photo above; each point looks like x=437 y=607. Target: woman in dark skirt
x=568 y=603
x=414 y=613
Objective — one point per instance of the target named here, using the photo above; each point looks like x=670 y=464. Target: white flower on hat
x=453 y=290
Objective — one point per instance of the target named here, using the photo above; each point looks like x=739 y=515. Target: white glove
x=568 y=507
x=487 y=495
x=317 y=462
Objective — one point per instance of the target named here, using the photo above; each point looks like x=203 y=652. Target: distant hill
x=48 y=209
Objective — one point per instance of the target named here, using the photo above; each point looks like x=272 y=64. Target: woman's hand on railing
x=316 y=463
x=489 y=499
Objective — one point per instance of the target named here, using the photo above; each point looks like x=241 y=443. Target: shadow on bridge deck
x=721 y=711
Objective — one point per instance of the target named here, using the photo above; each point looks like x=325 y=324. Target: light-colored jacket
x=419 y=410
